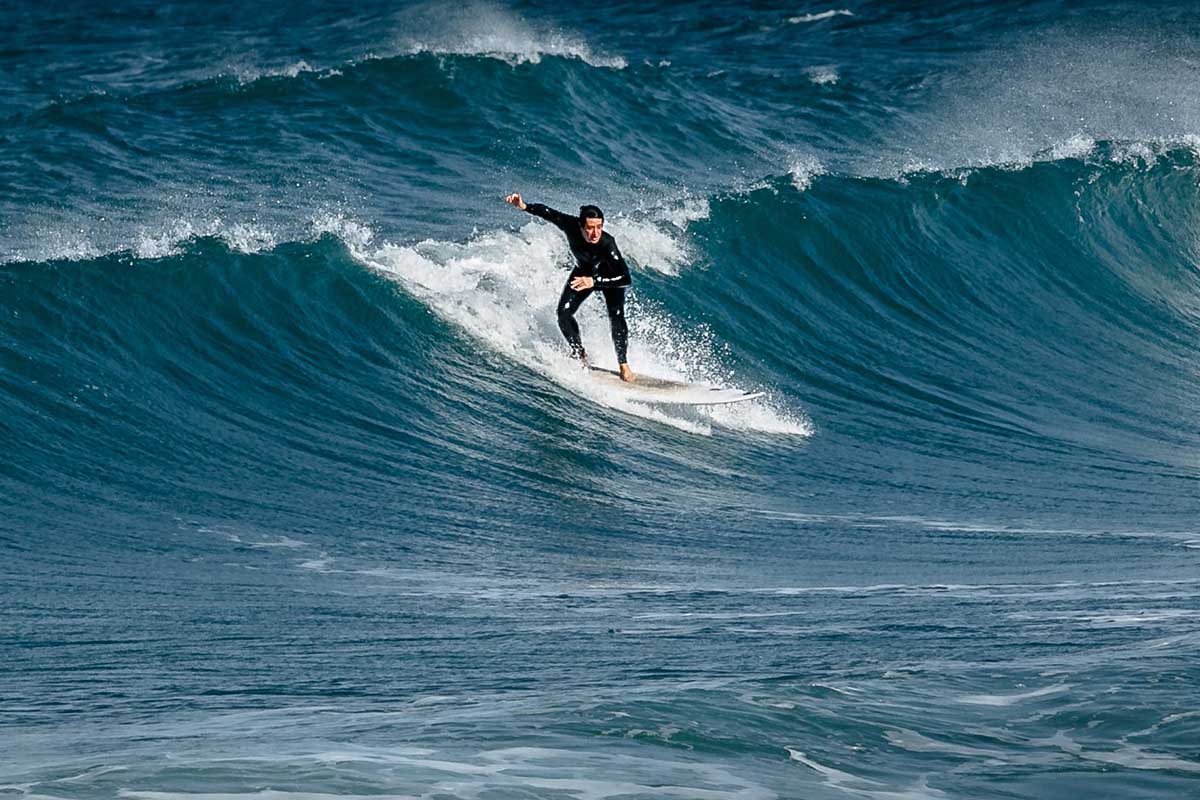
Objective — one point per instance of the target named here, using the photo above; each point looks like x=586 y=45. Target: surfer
x=599 y=265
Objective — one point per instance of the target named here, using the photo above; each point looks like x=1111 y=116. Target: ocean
x=302 y=497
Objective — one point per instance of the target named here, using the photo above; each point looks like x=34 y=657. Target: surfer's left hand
x=582 y=283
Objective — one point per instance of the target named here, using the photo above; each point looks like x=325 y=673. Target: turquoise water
x=301 y=497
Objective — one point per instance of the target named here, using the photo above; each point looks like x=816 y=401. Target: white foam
x=249 y=74
x=1146 y=152
x=915 y=166
x=817 y=17
x=292 y=70
x=683 y=210
x=1190 y=141
x=502 y=287
x=495 y=32
x=1137 y=153
x=74 y=245
x=248 y=238
x=1048 y=84
x=151 y=238
x=1134 y=153
x=826 y=75
x=1078 y=146
x=355 y=235
x=803 y=170
x=761 y=416
x=166 y=241
x=161 y=241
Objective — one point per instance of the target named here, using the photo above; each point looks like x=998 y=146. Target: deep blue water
x=301 y=497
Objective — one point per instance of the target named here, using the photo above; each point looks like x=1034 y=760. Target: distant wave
x=990 y=295
x=495 y=32
x=518 y=48
x=914 y=276
x=661 y=249
x=482 y=31
x=1142 y=153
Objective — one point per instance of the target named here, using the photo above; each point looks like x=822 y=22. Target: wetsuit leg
x=615 y=300
x=568 y=304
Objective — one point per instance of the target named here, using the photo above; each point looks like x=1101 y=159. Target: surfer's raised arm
x=563 y=221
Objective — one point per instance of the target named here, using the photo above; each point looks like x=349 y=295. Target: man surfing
x=598 y=266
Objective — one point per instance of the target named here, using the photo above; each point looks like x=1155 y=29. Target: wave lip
x=493 y=32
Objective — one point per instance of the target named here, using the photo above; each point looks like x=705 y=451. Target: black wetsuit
x=602 y=262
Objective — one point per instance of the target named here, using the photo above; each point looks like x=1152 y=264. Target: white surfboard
x=663 y=391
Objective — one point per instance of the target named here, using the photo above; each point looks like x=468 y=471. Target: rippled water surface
x=301 y=497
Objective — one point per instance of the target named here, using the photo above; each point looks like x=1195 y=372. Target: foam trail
x=502 y=288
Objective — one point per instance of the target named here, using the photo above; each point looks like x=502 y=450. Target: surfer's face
x=592 y=228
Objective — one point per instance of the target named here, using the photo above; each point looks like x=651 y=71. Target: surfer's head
x=591 y=221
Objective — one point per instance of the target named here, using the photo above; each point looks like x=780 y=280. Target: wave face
x=300 y=495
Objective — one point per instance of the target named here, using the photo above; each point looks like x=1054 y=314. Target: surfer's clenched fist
x=516 y=200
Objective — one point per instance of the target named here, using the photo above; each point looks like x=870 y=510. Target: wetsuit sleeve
x=618 y=269
x=563 y=221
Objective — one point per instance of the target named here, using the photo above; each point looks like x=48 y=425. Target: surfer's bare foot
x=582 y=356
x=627 y=374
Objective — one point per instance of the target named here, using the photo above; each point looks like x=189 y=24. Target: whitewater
x=301 y=496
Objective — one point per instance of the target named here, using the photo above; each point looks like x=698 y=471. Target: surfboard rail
x=666 y=391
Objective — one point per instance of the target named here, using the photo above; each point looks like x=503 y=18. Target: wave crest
x=493 y=32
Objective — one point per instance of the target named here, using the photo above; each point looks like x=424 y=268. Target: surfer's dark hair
x=590 y=212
